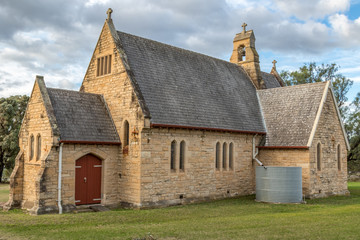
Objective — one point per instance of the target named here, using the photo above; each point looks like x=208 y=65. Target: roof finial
x=244 y=27
x=274 y=63
x=108 y=12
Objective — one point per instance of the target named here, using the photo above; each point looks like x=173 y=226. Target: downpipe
x=256 y=152
x=59 y=179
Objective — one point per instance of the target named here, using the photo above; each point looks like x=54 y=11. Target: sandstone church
x=156 y=125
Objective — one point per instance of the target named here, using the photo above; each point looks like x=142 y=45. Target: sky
x=56 y=38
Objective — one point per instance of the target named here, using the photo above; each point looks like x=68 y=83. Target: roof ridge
x=295 y=86
x=177 y=48
x=74 y=91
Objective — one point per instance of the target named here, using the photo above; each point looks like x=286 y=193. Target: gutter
x=283 y=147
x=256 y=152
x=59 y=178
x=157 y=125
x=90 y=142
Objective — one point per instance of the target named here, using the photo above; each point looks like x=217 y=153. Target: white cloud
x=312 y=9
x=346 y=32
x=59 y=44
x=91 y=3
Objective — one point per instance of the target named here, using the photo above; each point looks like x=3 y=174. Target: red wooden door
x=88 y=180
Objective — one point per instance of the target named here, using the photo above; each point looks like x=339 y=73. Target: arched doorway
x=88 y=180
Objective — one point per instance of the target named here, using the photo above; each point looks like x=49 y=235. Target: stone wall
x=329 y=180
x=109 y=154
x=123 y=105
x=16 y=183
x=289 y=158
x=35 y=123
x=200 y=180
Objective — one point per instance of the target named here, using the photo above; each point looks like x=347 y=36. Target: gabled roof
x=184 y=88
x=82 y=117
x=270 y=80
x=290 y=113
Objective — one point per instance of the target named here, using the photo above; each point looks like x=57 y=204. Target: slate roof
x=82 y=116
x=290 y=113
x=270 y=80
x=185 y=88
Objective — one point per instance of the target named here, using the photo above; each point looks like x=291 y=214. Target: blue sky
x=56 y=38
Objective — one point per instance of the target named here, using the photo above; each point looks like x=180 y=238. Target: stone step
x=99 y=208
x=91 y=208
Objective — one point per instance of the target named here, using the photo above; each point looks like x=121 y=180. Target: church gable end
x=39 y=119
x=325 y=159
x=37 y=136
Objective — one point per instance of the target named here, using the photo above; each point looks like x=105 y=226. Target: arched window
x=126 y=133
x=31 y=147
x=224 y=160
x=182 y=155
x=318 y=156
x=173 y=155
x=339 y=156
x=231 y=160
x=38 y=149
x=217 y=156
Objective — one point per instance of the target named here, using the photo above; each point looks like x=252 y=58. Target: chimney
x=245 y=55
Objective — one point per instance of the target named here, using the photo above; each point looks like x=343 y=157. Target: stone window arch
x=224 y=156
x=318 y=156
x=339 y=156
x=31 y=146
x=38 y=147
x=173 y=155
x=231 y=155
x=217 y=156
x=182 y=155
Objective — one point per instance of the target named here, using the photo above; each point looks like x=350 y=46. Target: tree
x=353 y=128
x=12 y=110
x=311 y=73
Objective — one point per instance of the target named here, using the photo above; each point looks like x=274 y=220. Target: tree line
x=12 y=110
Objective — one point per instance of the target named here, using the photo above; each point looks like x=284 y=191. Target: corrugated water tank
x=279 y=184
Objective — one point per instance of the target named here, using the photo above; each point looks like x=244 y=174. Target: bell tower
x=245 y=55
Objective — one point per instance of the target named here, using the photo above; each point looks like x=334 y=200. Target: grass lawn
x=238 y=218
x=4 y=193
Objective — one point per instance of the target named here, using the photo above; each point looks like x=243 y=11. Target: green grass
x=238 y=218
x=4 y=192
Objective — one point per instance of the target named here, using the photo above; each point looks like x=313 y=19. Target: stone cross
x=274 y=63
x=244 y=27
x=109 y=11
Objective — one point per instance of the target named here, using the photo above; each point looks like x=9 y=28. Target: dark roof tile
x=82 y=116
x=290 y=113
x=270 y=80
x=185 y=88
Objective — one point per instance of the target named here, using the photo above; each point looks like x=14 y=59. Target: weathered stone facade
x=331 y=179
x=27 y=176
x=200 y=180
x=138 y=173
x=124 y=106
